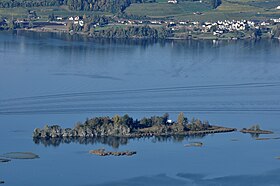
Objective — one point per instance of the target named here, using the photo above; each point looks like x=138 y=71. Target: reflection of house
x=172 y=1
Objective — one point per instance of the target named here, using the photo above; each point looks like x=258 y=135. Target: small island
x=102 y=152
x=126 y=126
x=255 y=129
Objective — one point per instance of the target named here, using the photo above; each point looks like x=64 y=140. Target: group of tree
x=124 y=126
x=126 y=120
x=77 y=5
x=142 y=32
x=11 y=24
x=276 y=31
x=29 y=3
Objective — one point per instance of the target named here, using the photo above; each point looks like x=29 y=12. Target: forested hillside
x=87 y=5
x=78 y=5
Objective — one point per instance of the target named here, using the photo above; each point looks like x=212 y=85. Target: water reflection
x=114 y=142
x=111 y=141
x=188 y=179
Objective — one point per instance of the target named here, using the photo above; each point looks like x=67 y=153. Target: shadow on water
x=111 y=141
x=186 y=179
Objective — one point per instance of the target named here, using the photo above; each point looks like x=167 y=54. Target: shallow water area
x=20 y=155
x=56 y=79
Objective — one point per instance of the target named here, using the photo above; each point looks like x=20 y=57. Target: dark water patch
x=4 y=160
x=158 y=180
x=88 y=76
x=270 y=178
x=187 y=179
x=20 y=155
x=18 y=131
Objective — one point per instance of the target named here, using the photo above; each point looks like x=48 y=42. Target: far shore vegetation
x=146 y=19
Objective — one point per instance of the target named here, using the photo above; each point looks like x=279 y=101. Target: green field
x=184 y=10
x=229 y=9
x=44 y=12
x=159 y=10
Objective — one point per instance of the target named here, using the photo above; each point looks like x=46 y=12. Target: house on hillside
x=172 y=1
x=77 y=18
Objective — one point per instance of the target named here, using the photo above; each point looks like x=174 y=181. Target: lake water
x=53 y=79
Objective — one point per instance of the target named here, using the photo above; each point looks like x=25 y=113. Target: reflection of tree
x=176 y=138
x=255 y=135
x=114 y=142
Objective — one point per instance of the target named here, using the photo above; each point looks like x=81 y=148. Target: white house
x=278 y=8
x=81 y=23
x=172 y=1
x=77 y=18
x=169 y=121
x=71 y=19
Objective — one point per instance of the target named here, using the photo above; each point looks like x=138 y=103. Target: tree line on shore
x=97 y=27
x=138 y=32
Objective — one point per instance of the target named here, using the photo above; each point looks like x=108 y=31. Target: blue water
x=53 y=79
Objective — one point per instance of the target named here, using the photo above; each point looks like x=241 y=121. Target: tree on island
x=125 y=126
x=255 y=127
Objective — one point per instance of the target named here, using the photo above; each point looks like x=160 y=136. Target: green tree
x=51 y=17
x=11 y=25
x=181 y=120
x=117 y=119
x=30 y=24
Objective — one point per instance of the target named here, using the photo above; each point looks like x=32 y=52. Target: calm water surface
x=56 y=80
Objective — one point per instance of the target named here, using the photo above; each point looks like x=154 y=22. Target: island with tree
x=126 y=126
x=255 y=129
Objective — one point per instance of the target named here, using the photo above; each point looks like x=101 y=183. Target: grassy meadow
x=184 y=10
x=229 y=9
x=44 y=12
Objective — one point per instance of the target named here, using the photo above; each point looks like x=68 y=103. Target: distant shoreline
x=49 y=30
x=61 y=28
